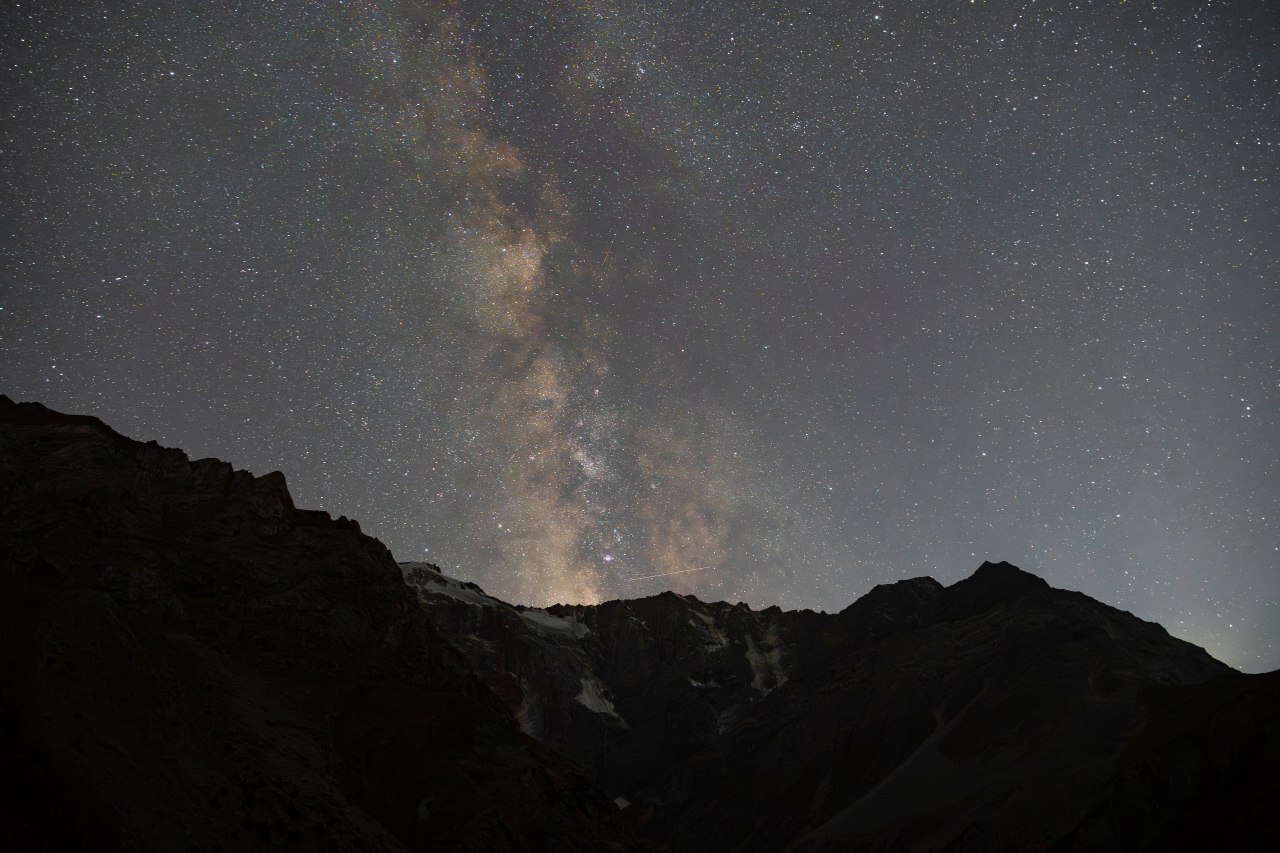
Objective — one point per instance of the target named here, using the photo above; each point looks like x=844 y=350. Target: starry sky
x=761 y=301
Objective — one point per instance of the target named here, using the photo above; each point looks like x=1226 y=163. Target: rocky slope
x=191 y=663
x=997 y=713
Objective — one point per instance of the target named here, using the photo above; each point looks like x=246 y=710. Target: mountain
x=997 y=713
x=192 y=663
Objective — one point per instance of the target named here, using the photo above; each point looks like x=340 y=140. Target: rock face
x=191 y=663
x=627 y=687
x=997 y=713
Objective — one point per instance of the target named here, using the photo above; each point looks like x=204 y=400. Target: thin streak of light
x=664 y=574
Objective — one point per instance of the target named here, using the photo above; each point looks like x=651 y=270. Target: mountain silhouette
x=193 y=663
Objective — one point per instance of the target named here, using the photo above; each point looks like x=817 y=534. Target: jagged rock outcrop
x=626 y=687
x=191 y=663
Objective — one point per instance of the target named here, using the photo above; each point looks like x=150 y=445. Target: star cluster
x=758 y=301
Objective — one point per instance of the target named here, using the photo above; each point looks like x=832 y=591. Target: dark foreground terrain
x=191 y=663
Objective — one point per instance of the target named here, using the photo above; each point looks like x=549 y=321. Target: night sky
x=785 y=298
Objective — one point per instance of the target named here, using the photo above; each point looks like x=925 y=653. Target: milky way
x=756 y=301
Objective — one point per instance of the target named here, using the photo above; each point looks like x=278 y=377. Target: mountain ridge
x=790 y=657
x=198 y=664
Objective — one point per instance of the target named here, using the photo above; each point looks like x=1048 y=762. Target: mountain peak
x=1006 y=572
x=992 y=584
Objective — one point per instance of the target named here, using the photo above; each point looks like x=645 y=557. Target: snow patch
x=594 y=699
x=438 y=584
x=548 y=623
x=431 y=582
